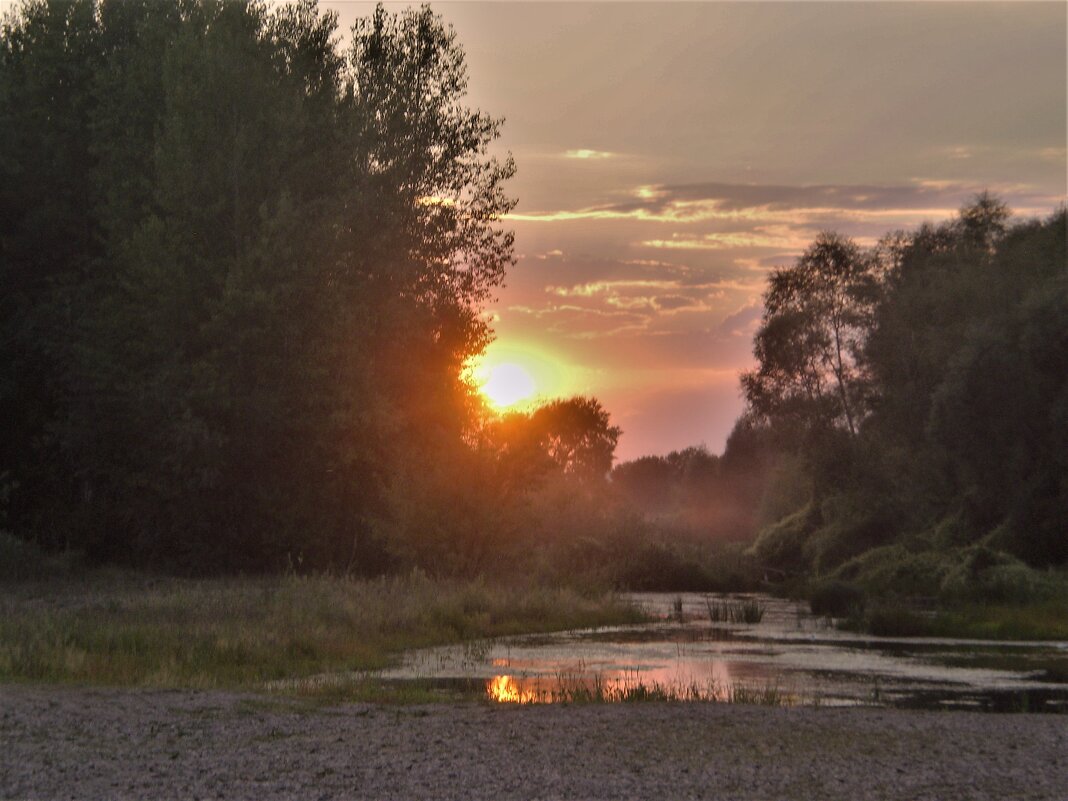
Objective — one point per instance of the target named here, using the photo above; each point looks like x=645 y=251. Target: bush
x=781 y=545
x=892 y=621
x=852 y=525
x=836 y=599
x=895 y=570
x=988 y=575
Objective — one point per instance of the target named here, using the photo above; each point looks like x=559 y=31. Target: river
x=788 y=657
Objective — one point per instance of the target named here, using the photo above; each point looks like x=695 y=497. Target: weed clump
x=742 y=611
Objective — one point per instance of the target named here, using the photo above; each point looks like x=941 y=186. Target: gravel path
x=76 y=743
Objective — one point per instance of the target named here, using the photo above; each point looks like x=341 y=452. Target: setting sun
x=515 y=375
x=507 y=384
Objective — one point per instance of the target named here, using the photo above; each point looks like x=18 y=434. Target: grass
x=1041 y=620
x=133 y=630
x=743 y=611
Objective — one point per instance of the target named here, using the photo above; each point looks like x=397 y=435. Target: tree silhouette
x=817 y=314
x=265 y=274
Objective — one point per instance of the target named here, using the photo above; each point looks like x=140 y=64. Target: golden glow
x=646 y=192
x=519 y=376
x=506 y=690
x=508 y=384
x=715 y=683
x=435 y=200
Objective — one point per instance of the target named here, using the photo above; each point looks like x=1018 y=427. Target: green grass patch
x=134 y=630
x=1045 y=620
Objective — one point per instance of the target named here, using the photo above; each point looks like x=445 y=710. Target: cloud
x=673 y=302
x=688 y=262
x=742 y=322
x=608 y=287
x=779 y=203
x=775 y=237
x=1057 y=155
x=585 y=154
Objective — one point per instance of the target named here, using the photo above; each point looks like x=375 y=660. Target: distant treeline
x=923 y=386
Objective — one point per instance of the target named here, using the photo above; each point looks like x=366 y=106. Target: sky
x=669 y=155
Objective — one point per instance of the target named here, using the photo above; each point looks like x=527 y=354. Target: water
x=788 y=657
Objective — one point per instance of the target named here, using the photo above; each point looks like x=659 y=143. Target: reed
x=739 y=611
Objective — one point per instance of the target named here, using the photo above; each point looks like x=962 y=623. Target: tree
x=49 y=247
x=572 y=437
x=272 y=260
x=575 y=433
x=999 y=417
x=648 y=483
x=962 y=362
x=816 y=317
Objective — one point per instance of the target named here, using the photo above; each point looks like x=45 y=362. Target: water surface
x=789 y=657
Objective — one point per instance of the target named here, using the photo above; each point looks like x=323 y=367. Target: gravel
x=131 y=744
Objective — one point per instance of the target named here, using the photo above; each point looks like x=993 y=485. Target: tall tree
x=816 y=316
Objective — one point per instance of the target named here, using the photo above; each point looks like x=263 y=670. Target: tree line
x=242 y=271
x=923 y=385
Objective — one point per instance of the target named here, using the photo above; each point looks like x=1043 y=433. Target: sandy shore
x=71 y=743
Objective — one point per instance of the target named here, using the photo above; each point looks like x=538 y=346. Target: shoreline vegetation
x=62 y=622
x=1039 y=620
x=69 y=625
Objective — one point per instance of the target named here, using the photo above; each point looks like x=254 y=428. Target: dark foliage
x=958 y=387
x=242 y=271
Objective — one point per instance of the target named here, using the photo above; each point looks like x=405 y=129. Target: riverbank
x=150 y=744
x=112 y=628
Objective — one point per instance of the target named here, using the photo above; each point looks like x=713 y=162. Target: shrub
x=895 y=570
x=781 y=545
x=836 y=599
x=895 y=621
x=988 y=575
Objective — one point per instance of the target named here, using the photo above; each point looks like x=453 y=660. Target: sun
x=518 y=375
x=507 y=384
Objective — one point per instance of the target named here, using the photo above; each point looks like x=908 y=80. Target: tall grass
x=128 y=629
x=742 y=611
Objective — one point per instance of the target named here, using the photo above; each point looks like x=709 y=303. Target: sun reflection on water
x=631 y=685
x=507 y=690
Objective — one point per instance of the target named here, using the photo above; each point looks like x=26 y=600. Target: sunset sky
x=669 y=155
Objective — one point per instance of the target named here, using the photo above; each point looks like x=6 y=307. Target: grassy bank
x=1046 y=620
x=133 y=630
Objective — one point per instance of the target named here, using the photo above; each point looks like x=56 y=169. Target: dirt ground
x=62 y=743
